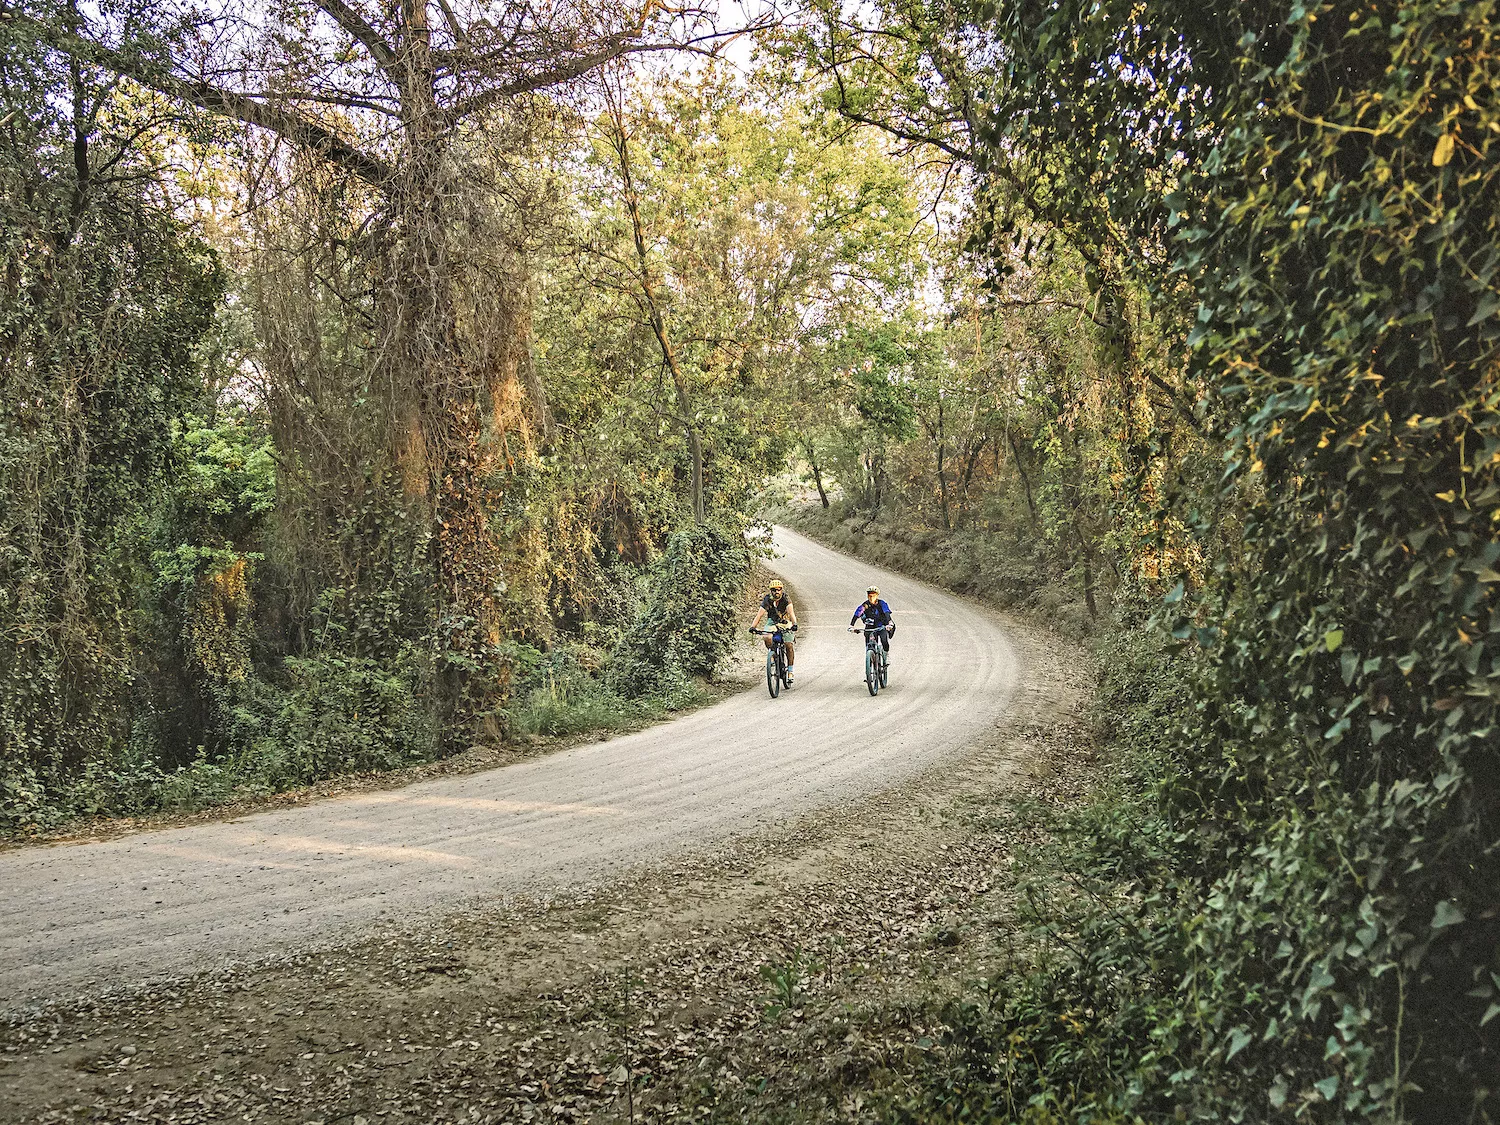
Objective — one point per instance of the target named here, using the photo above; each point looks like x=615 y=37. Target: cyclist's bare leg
x=791 y=654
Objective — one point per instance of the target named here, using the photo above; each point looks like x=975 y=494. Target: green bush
x=686 y=624
x=1290 y=914
x=110 y=299
x=23 y=796
x=329 y=714
x=334 y=713
x=571 y=708
x=562 y=692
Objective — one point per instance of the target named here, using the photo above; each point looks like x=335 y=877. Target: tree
x=107 y=298
x=727 y=245
x=390 y=97
x=618 y=139
x=1304 y=198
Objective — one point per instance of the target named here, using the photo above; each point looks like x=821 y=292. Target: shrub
x=1293 y=915
x=334 y=713
x=562 y=692
x=685 y=626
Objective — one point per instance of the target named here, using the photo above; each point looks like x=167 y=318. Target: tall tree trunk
x=447 y=400
x=875 y=482
x=1075 y=503
x=695 y=451
x=1015 y=452
x=971 y=464
x=942 y=475
x=817 y=471
x=1088 y=577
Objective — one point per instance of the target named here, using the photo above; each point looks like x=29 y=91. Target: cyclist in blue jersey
x=874 y=611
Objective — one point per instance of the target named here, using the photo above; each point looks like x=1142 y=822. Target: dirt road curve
x=77 y=917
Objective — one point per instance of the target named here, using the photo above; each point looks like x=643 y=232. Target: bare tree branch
x=567 y=71
x=294 y=127
x=383 y=54
x=459 y=35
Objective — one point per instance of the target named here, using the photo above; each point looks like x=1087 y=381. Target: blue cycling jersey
x=877 y=614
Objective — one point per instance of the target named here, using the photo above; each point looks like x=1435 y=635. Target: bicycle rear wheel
x=773 y=681
x=885 y=667
x=872 y=672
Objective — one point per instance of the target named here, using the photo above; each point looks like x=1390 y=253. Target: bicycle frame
x=776 y=674
x=876 y=670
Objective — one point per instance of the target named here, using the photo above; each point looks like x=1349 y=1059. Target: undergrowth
x=568 y=692
x=335 y=713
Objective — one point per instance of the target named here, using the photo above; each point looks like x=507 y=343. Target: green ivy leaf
x=1488 y=304
x=1277 y=1093
x=1447 y=914
x=1239 y=1039
x=1348 y=665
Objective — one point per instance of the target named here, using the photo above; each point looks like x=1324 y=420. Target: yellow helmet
x=776 y=584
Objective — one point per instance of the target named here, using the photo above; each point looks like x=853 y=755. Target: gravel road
x=78 y=917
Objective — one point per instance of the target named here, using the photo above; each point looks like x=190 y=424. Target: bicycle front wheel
x=773 y=681
x=872 y=672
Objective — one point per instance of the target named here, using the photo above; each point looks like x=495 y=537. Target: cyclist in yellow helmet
x=776 y=608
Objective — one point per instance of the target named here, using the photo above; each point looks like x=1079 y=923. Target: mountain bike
x=877 y=664
x=776 y=675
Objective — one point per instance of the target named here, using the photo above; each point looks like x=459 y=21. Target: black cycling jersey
x=777 y=610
